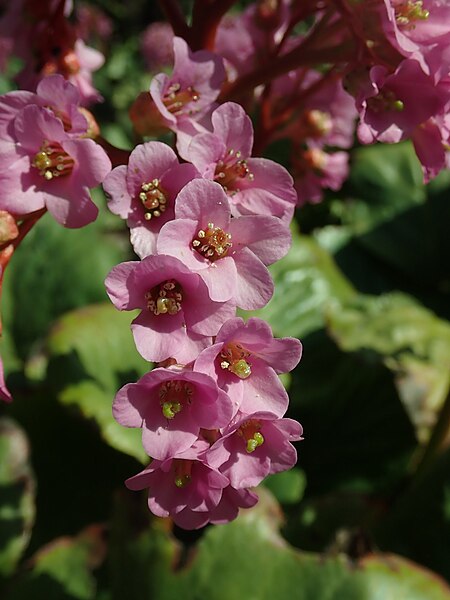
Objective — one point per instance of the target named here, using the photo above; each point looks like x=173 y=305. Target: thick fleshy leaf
x=16 y=495
x=249 y=559
x=63 y=569
x=92 y=354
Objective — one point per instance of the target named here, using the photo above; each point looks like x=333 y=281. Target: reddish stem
x=175 y=16
x=206 y=16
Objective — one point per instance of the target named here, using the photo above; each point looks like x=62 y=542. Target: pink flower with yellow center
x=171 y=406
x=47 y=168
x=246 y=360
x=254 y=186
x=177 y=317
x=230 y=254
x=255 y=446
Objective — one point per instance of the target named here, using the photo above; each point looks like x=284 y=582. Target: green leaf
x=288 y=487
x=16 y=495
x=412 y=341
x=63 y=569
x=249 y=559
x=92 y=354
x=55 y=270
x=305 y=282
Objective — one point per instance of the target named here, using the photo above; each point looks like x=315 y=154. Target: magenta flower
x=177 y=317
x=47 y=168
x=5 y=394
x=254 y=185
x=54 y=93
x=189 y=92
x=246 y=360
x=144 y=192
x=229 y=254
x=171 y=406
x=392 y=105
x=185 y=481
x=227 y=510
x=255 y=446
x=314 y=170
x=157 y=45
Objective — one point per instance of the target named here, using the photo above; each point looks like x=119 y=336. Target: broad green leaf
x=54 y=270
x=305 y=282
x=288 y=487
x=357 y=434
x=63 y=569
x=92 y=354
x=249 y=559
x=16 y=495
x=411 y=340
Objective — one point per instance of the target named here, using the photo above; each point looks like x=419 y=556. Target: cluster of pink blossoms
x=212 y=412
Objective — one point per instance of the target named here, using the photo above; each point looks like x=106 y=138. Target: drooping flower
x=184 y=481
x=48 y=168
x=144 y=192
x=229 y=254
x=256 y=186
x=5 y=394
x=177 y=317
x=246 y=360
x=189 y=92
x=171 y=406
x=54 y=93
x=255 y=446
x=315 y=170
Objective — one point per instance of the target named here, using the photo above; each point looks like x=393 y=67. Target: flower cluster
x=48 y=160
x=212 y=411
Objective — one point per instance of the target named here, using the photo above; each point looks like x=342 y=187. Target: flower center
x=173 y=396
x=212 y=243
x=182 y=470
x=175 y=99
x=230 y=169
x=315 y=124
x=385 y=100
x=406 y=13
x=250 y=432
x=312 y=159
x=52 y=161
x=165 y=298
x=234 y=358
x=153 y=198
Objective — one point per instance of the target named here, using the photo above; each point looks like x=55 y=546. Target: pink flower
x=54 y=93
x=171 y=406
x=157 y=45
x=246 y=361
x=47 y=168
x=5 y=394
x=229 y=254
x=254 y=185
x=185 y=481
x=255 y=446
x=144 y=192
x=177 y=316
x=227 y=510
x=392 y=105
x=315 y=169
x=189 y=92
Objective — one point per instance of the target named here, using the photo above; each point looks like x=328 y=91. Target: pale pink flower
x=246 y=361
x=184 y=481
x=315 y=170
x=171 y=406
x=5 y=394
x=177 y=317
x=230 y=254
x=48 y=168
x=254 y=447
x=144 y=192
x=157 y=45
x=255 y=186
